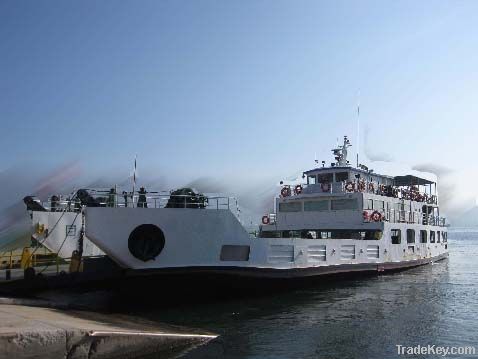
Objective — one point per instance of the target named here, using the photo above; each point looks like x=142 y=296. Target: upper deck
x=342 y=180
x=341 y=194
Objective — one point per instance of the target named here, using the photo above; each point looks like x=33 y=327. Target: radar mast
x=341 y=152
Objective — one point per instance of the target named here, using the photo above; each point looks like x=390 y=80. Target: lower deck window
x=432 y=236
x=396 y=235
x=291 y=234
x=410 y=236
x=423 y=236
x=270 y=234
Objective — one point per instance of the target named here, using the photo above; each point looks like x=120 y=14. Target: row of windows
x=435 y=237
x=322 y=205
x=341 y=177
x=379 y=205
x=324 y=234
x=396 y=235
x=328 y=177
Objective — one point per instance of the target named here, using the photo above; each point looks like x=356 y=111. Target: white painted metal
x=194 y=237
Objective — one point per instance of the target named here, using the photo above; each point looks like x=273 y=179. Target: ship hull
x=194 y=284
x=265 y=274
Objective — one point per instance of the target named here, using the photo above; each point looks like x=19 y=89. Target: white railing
x=104 y=198
x=367 y=187
x=395 y=216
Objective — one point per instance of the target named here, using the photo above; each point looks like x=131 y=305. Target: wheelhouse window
x=423 y=236
x=290 y=207
x=432 y=236
x=379 y=205
x=369 y=204
x=311 y=179
x=341 y=176
x=344 y=204
x=410 y=236
x=325 y=178
x=316 y=206
x=396 y=235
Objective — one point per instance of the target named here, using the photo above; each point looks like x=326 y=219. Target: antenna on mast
x=358 y=127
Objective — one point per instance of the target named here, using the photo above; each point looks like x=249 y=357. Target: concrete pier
x=37 y=332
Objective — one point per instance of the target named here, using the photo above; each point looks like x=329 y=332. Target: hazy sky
x=242 y=88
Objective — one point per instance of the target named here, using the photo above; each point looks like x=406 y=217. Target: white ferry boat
x=341 y=220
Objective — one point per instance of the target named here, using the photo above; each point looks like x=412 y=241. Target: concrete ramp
x=34 y=332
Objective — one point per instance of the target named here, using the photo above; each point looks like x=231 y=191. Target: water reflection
x=367 y=318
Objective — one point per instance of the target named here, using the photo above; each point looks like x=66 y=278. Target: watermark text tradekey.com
x=434 y=350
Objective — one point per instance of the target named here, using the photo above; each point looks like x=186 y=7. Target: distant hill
x=467 y=219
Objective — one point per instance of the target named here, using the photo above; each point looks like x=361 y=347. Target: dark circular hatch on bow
x=146 y=242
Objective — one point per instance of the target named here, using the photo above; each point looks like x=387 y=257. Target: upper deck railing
x=160 y=199
x=354 y=186
x=401 y=216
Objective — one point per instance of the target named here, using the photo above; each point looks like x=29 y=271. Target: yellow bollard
x=26 y=260
x=75 y=263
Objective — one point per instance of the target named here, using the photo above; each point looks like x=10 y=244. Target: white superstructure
x=341 y=219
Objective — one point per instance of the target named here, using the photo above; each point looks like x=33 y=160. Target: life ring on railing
x=365 y=215
x=350 y=186
x=376 y=216
x=325 y=187
x=285 y=191
x=361 y=186
x=371 y=187
x=266 y=220
x=298 y=189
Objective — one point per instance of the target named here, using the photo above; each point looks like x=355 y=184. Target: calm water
x=434 y=304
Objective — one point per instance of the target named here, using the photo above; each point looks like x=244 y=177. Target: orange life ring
x=371 y=187
x=350 y=186
x=325 y=187
x=285 y=192
x=266 y=220
x=298 y=189
x=376 y=216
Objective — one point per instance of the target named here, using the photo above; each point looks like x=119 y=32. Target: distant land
x=467 y=219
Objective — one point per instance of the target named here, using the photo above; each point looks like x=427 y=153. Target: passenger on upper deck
x=142 y=198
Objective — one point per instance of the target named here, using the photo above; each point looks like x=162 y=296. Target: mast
x=358 y=128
